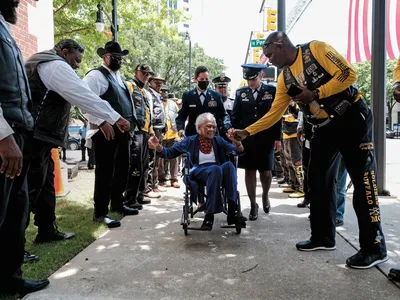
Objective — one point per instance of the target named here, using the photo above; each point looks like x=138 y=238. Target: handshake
x=237 y=134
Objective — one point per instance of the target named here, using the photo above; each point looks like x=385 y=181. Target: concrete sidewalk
x=149 y=257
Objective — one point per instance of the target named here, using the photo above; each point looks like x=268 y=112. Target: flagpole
x=378 y=89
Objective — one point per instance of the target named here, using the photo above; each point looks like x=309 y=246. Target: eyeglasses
x=145 y=73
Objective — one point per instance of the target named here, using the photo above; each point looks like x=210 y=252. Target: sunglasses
x=115 y=57
x=265 y=45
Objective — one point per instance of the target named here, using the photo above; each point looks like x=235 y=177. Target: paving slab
x=149 y=257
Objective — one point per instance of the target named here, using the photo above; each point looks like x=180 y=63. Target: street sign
x=257 y=43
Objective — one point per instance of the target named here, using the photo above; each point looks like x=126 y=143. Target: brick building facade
x=27 y=42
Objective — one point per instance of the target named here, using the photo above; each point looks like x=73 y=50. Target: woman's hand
x=153 y=142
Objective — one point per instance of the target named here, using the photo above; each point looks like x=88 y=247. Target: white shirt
x=207 y=158
x=228 y=104
x=5 y=129
x=98 y=83
x=61 y=78
x=202 y=98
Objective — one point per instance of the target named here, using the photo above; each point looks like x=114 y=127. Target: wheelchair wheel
x=238 y=230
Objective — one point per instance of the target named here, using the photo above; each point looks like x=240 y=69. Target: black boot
x=208 y=222
x=49 y=234
x=394 y=274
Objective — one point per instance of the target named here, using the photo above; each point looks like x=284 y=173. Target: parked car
x=73 y=143
x=74 y=138
x=390 y=134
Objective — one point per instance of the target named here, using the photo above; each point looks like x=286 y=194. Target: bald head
x=278 y=37
x=279 y=49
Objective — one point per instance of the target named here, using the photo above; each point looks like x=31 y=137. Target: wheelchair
x=189 y=211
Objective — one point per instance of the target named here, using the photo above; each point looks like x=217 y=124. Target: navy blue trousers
x=214 y=177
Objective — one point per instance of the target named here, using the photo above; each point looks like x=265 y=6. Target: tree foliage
x=363 y=70
x=144 y=29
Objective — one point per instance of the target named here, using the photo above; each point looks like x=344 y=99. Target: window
x=187 y=1
x=186 y=25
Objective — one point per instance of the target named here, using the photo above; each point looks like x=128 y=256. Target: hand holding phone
x=294 y=90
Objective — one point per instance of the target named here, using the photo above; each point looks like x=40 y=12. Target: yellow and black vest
x=315 y=76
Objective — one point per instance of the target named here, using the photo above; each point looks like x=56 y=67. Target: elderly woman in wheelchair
x=210 y=167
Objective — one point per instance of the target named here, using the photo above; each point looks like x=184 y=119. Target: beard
x=8 y=10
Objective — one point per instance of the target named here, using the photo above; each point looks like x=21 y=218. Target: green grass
x=71 y=217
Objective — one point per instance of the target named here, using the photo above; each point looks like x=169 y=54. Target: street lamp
x=113 y=21
x=189 y=42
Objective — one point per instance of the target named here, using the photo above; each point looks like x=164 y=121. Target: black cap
x=251 y=71
x=221 y=81
x=144 y=68
x=113 y=48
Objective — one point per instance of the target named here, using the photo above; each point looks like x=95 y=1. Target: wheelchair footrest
x=197 y=228
x=233 y=226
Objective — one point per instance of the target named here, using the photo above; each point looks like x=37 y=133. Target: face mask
x=115 y=64
x=203 y=84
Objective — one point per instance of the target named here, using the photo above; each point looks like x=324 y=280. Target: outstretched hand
x=153 y=142
x=122 y=124
x=238 y=134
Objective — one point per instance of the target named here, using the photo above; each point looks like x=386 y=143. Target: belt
x=319 y=125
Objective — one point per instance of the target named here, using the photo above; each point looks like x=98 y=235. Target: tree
x=363 y=70
x=144 y=29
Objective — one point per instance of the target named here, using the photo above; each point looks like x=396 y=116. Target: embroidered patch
x=267 y=96
x=307 y=56
x=212 y=103
x=243 y=95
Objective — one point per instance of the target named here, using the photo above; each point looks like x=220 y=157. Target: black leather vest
x=15 y=97
x=50 y=110
x=119 y=98
x=315 y=76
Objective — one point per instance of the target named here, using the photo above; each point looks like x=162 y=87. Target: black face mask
x=203 y=84
x=115 y=64
x=8 y=10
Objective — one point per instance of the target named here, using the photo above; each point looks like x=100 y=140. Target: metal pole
x=190 y=63
x=114 y=21
x=378 y=89
x=282 y=15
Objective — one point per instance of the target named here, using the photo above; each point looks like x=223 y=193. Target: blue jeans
x=341 y=190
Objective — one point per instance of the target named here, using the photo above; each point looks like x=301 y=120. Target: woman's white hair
x=202 y=118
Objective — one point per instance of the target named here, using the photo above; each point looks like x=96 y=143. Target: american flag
x=360 y=29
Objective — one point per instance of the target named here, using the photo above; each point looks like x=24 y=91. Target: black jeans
x=139 y=166
x=42 y=194
x=111 y=173
x=347 y=135
x=83 y=149
x=13 y=215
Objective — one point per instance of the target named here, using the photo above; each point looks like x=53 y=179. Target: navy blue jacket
x=247 y=110
x=192 y=107
x=191 y=146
